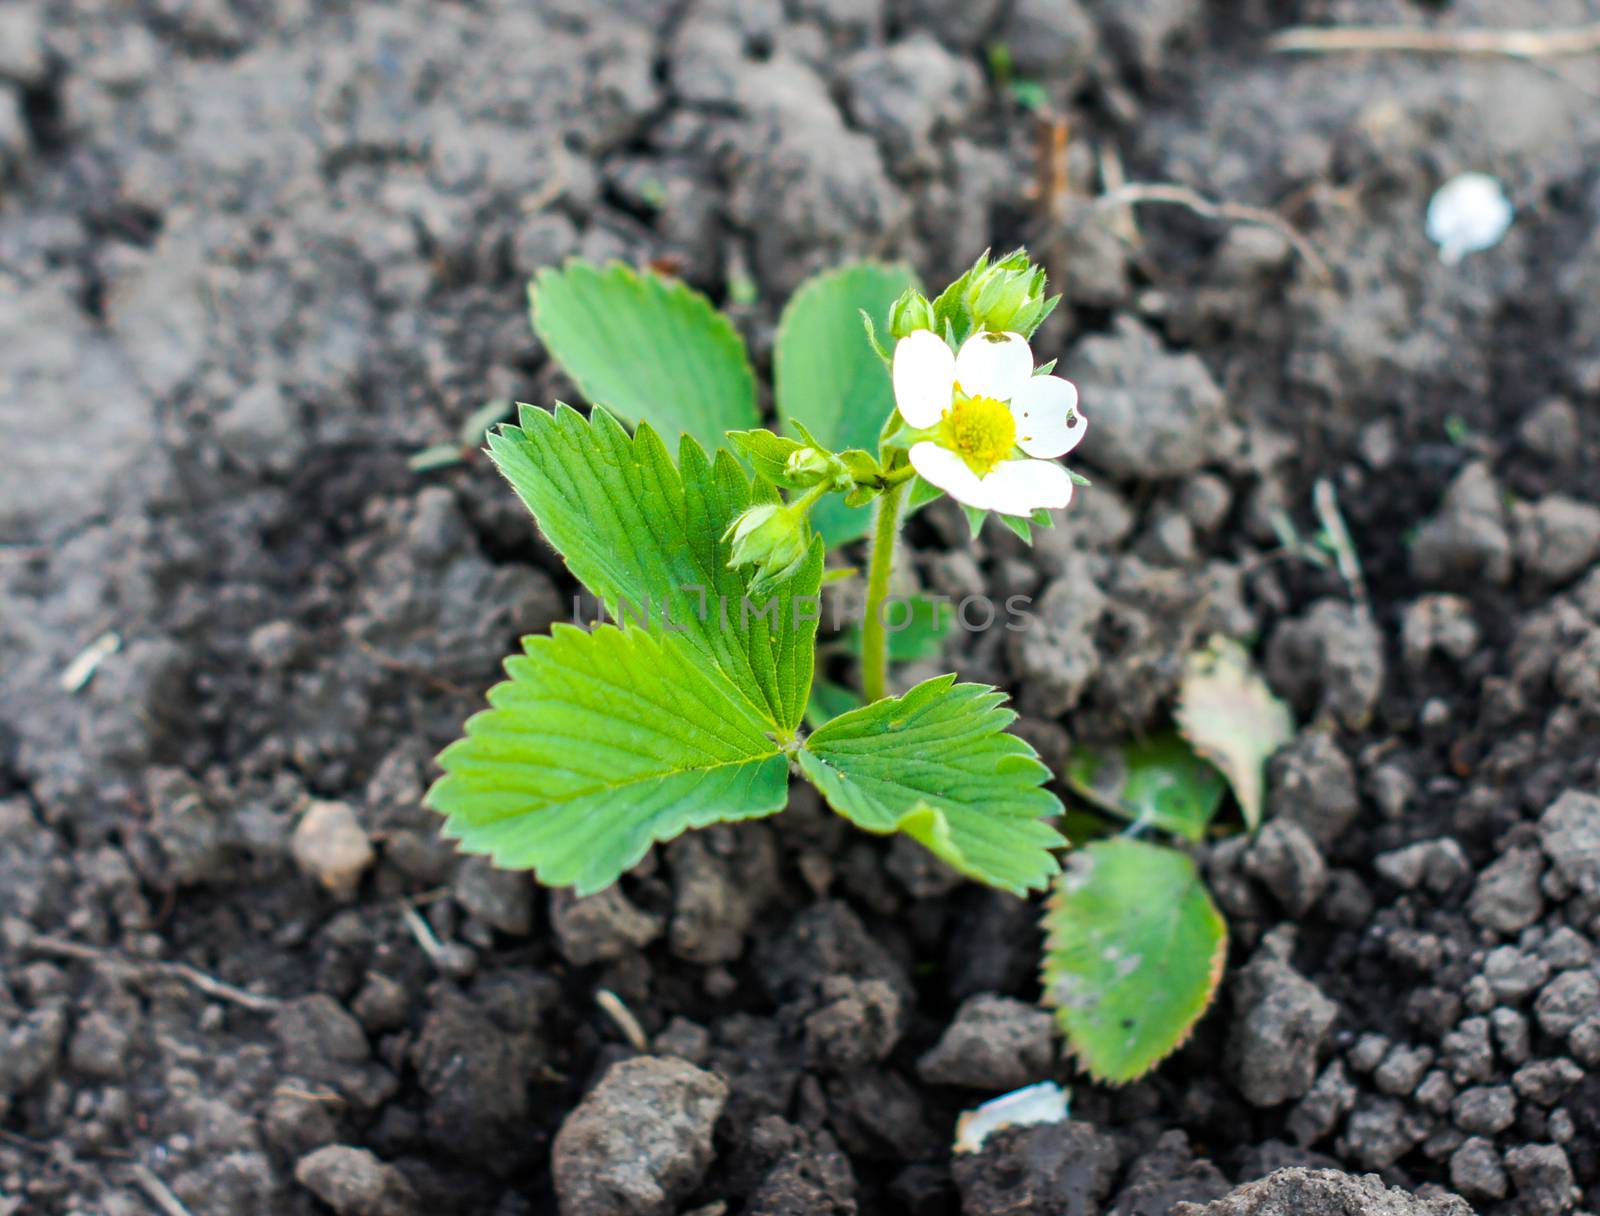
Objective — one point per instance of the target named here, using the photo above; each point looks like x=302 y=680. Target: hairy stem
x=874 y=636
x=809 y=498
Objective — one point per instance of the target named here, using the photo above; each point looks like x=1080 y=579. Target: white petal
x=1016 y=487
x=994 y=365
x=1021 y=487
x=943 y=468
x=924 y=377
x=1048 y=424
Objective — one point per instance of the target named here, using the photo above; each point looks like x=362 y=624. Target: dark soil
x=254 y=255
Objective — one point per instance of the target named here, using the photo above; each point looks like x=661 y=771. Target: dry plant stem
x=1516 y=44
x=874 y=635
x=157 y=1191
x=1053 y=185
x=622 y=1018
x=1183 y=196
x=1113 y=177
x=427 y=941
x=58 y=947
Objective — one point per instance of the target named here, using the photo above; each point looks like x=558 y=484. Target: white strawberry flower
x=993 y=429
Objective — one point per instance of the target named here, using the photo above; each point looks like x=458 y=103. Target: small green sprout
x=705 y=534
x=1026 y=92
x=469 y=435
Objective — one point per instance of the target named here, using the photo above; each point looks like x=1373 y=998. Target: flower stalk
x=874 y=633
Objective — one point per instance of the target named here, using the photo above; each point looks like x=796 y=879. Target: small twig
x=1515 y=44
x=545 y=194
x=158 y=1192
x=623 y=1018
x=1054 y=182
x=409 y=669
x=324 y=1097
x=1183 y=196
x=422 y=931
x=1326 y=502
x=1114 y=177
x=81 y=670
x=59 y=947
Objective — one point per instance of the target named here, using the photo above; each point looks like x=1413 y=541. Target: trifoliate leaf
x=1134 y=950
x=648 y=348
x=1157 y=782
x=1228 y=713
x=648 y=540
x=600 y=745
x=828 y=377
x=938 y=765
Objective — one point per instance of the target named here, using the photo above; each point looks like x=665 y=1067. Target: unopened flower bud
x=1008 y=296
x=771 y=536
x=808 y=466
x=909 y=313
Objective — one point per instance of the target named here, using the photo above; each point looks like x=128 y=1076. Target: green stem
x=874 y=636
x=806 y=500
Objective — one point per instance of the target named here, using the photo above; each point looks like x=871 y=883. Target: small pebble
x=331 y=846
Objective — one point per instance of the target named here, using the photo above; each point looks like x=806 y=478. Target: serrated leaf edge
x=991 y=702
x=532 y=419
x=1218 y=965
x=450 y=825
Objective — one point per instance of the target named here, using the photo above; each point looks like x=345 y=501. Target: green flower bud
x=910 y=313
x=771 y=536
x=1008 y=295
x=807 y=466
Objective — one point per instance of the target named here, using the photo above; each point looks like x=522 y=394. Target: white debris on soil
x=1045 y=1102
x=331 y=846
x=76 y=674
x=1469 y=213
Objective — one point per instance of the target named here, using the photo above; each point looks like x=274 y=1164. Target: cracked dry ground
x=253 y=255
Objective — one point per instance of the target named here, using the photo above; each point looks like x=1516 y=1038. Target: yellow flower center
x=980 y=430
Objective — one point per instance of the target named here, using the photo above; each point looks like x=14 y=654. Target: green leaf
x=648 y=348
x=938 y=765
x=1158 y=782
x=647 y=539
x=1228 y=713
x=924 y=625
x=1134 y=950
x=768 y=455
x=598 y=746
x=828 y=701
x=828 y=377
